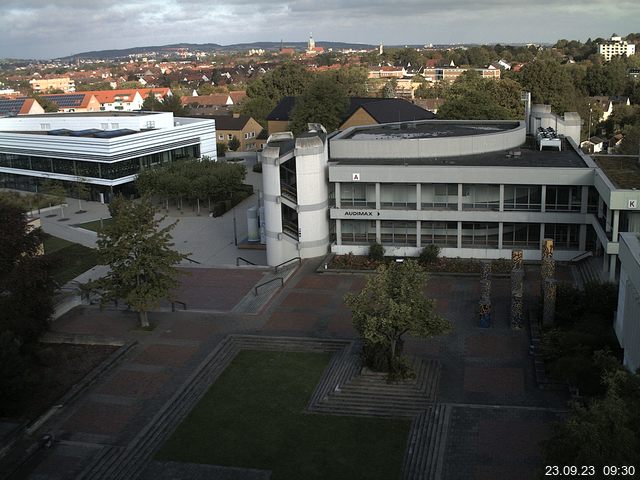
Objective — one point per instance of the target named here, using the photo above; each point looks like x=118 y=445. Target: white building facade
x=616 y=47
x=106 y=150
x=627 y=321
x=476 y=189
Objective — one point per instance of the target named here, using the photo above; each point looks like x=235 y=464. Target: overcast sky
x=48 y=29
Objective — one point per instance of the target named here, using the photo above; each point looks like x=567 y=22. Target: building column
x=582 y=238
x=584 y=199
x=612 y=268
x=500 y=232
x=616 y=225
x=543 y=198
x=459 y=234
x=418 y=196
x=605 y=263
x=337 y=195
x=600 y=206
x=607 y=223
x=541 y=235
x=501 y=204
x=378 y=204
x=378 y=234
x=418 y=229
x=338 y=232
x=459 y=197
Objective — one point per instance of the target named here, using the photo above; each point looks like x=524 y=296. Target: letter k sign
x=355 y=177
x=633 y=204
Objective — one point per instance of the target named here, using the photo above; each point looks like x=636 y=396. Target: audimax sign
x=361 y=213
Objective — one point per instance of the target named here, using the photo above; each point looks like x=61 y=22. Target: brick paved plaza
x=498 y=415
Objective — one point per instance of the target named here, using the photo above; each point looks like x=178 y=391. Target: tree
x=324 y=101
x=234 y=144
x=549 y=83
x=392 y=304
x=221 y=148
x=55 y=189
x=389 y=89
x=602 y=432
x=475 y=98
x=49 y=106
x=142 y=263
x=26 y=302
x=151 y=103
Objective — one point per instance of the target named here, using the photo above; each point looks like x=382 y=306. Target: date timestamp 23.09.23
x=628 y=471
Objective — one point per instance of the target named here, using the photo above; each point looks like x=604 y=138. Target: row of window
x=247 y=136
x=445 y=234
x=109 y=171
x=474 y=197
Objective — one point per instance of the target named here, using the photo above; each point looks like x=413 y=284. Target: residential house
x=616 y=47
x=242 y=127
x=40 y=85
x=362 y=111
x=19 y=106
x=74 y=102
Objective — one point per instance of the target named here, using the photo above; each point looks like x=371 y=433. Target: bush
x=221 y=148
x=376 y=252
x=429 y=254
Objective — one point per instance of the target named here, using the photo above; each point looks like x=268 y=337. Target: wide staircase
x=587 y=270
x=369 y=393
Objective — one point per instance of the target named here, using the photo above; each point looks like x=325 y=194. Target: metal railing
x=173 y=305
x=193 y=261
x=275 y=270
x=581 y=256
x=255 y=289
x=244 y=260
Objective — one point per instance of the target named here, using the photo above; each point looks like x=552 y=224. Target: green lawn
x=253 y=417
x=70 y=259
x=95 y=225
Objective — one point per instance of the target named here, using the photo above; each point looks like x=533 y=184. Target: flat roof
x=624 y=172
x=528 y=156
x=110 y=113
x=428 y=129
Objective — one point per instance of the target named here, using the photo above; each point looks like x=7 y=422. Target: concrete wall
x=627 y=321
x=344 y=147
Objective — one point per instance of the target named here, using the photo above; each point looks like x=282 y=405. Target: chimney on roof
x=236 y=115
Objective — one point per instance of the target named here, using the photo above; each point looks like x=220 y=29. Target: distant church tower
x=380 y=50
x=311 y=45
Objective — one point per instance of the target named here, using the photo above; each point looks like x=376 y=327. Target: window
x=398 y=195
x=398 y=233
x=45 y=126
x=440 y=196
x=522 y=197
x=564 y=198
x=564 y=236
x=104 y=126
x=115 y=126
x=229 y=136
x=361 y=195
x=481 y=197
x=358 y=232
x=443 y=234
x=220 y=137
x=480 y=235
x=523 y=235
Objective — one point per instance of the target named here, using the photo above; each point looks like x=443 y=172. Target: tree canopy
x=475 y=98
x=392 y=304
x=169 y=103
x=324 y=101
x=139 y=253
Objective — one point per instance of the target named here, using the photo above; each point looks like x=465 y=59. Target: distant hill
x=212 y=47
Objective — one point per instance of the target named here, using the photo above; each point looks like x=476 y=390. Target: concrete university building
x=106 y=150
x=476 y=189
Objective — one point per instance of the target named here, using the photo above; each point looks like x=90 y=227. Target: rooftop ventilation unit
x=548 y=137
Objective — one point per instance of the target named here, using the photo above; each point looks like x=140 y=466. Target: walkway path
x=488 y=417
